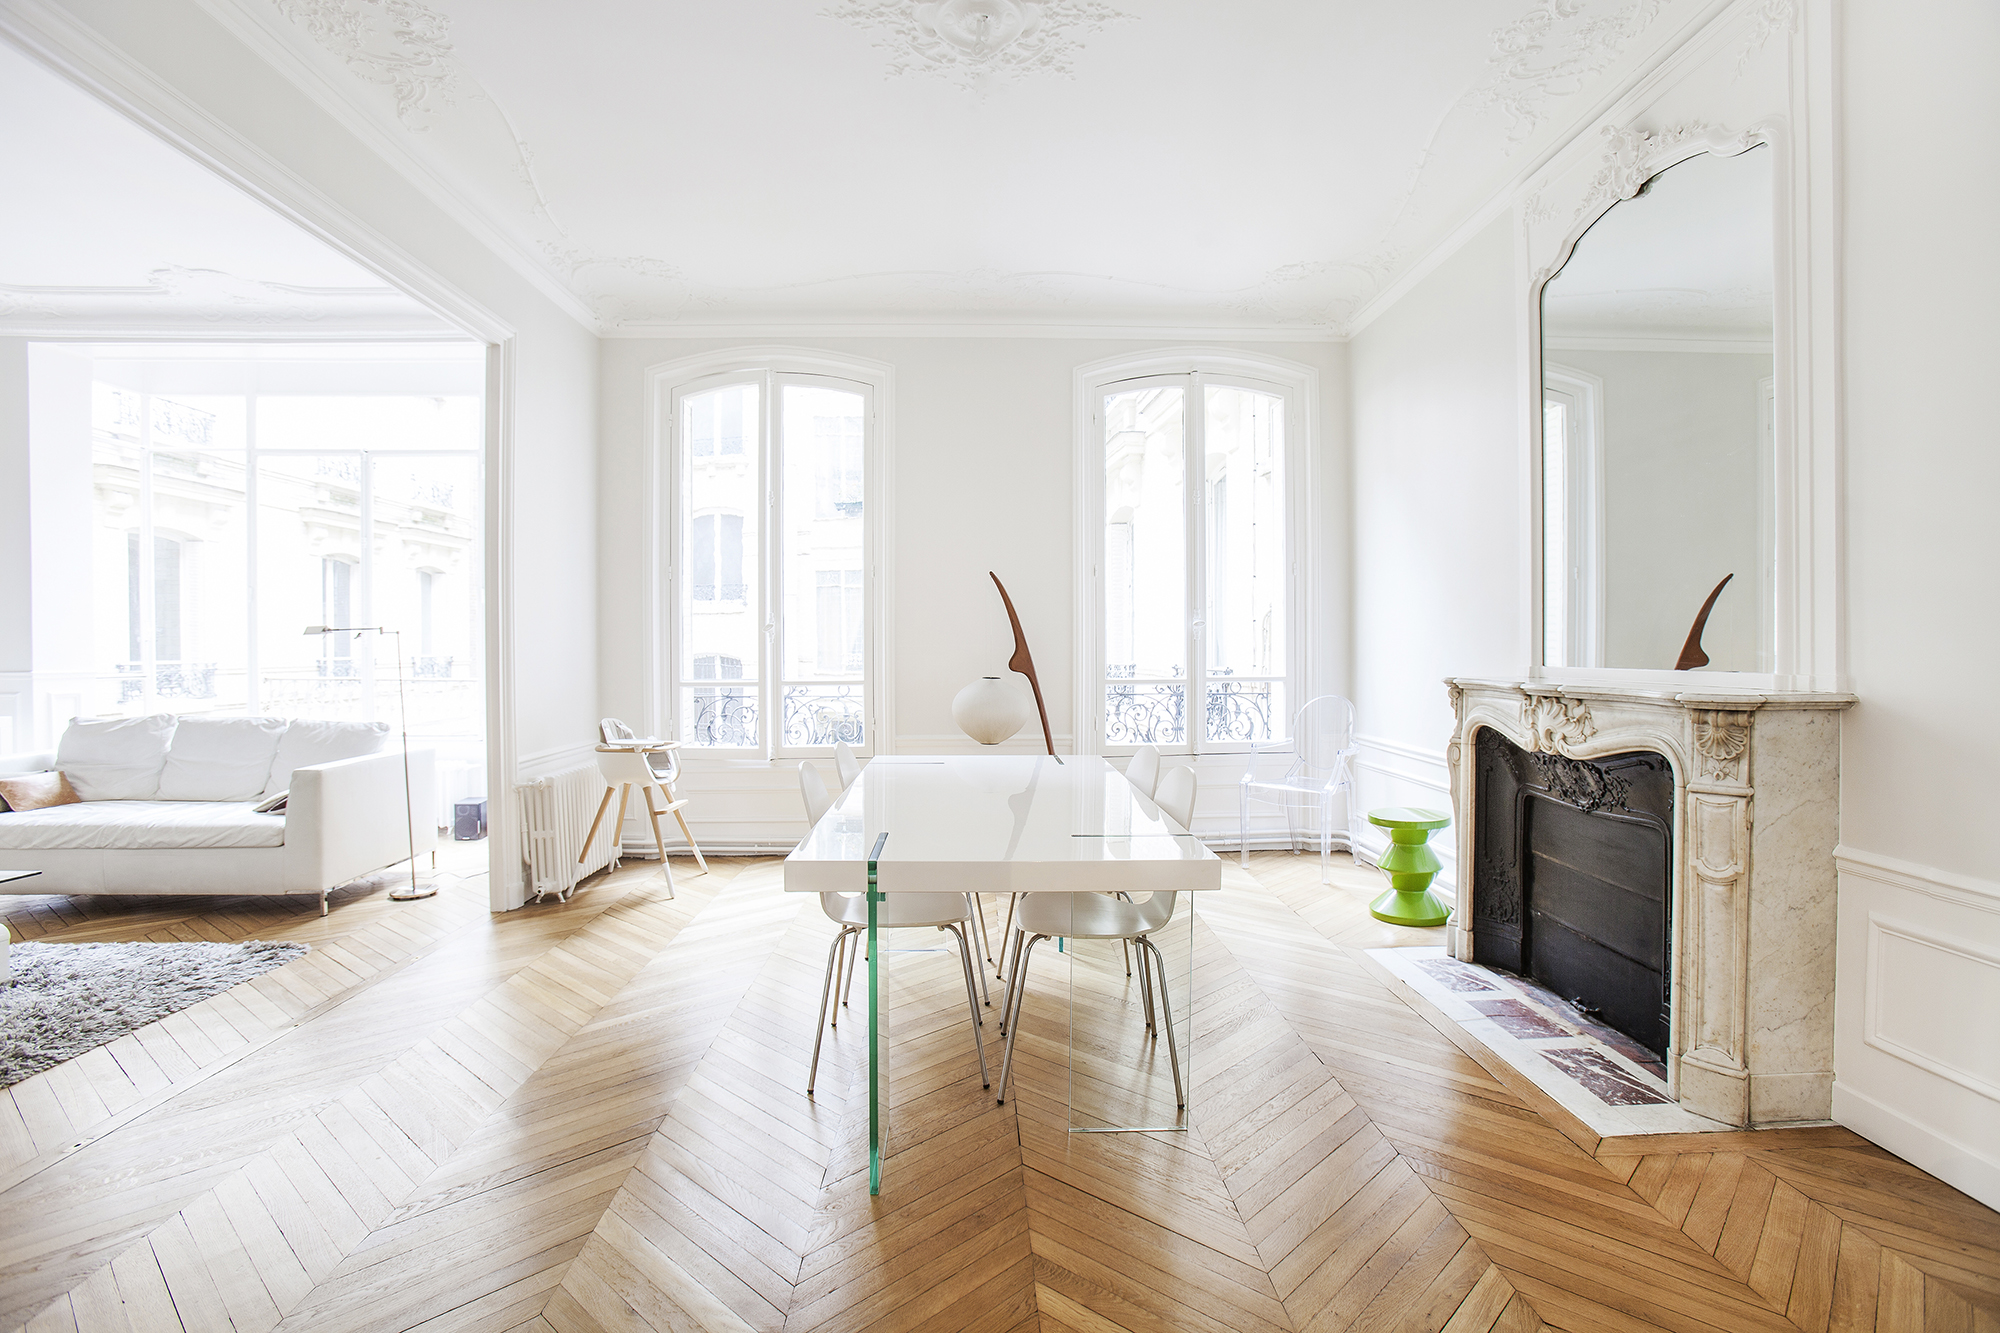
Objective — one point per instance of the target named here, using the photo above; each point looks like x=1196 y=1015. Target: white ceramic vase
x=989 y=710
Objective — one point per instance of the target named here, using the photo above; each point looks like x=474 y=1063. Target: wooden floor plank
x=591 y=1115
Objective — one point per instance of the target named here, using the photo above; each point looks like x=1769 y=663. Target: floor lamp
x=415 y=890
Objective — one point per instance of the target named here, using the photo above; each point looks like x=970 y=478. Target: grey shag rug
x=71 y=998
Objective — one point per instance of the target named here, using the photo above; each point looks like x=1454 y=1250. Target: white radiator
x=555 y=814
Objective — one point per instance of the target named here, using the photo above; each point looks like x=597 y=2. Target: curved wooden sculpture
x=1691 y=654
x=1024 y=662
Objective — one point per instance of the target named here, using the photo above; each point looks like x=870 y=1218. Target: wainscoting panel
x=1917 y=1058
x=1390 y=773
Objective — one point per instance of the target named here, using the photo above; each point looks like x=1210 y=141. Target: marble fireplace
x=1748 y=843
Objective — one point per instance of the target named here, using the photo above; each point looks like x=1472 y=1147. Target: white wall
x=45 y=525
x=1681 y=499
x=1438 y=510
x=1917 y=1047
x=982 y=473
x=548 y=535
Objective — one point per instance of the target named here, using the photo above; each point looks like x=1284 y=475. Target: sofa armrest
x=19 y=765
x=345 y=819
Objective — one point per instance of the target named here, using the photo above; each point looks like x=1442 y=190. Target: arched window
x=769 y=466
x=1191 y=597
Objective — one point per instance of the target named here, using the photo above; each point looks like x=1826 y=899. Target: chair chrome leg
x=1012 y=898
x=1166 y=1014
x=1146 y=993
x=825 y=994
x=1126 y=945
x=854 y=951
x=839 y=966
x=971 y=1003
x=1019 y=996
x=978 y=915
x=1007 y=995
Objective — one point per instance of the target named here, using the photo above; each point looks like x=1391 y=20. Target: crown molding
x=203 y=331
x=976 y=329
x=1667 y=56
x=248 y=27
x=84 y=57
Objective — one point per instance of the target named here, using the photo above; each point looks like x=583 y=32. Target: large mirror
x=1657 y=426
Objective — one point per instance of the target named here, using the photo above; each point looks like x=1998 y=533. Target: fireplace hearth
x=1573 y=862
x=1723 y=959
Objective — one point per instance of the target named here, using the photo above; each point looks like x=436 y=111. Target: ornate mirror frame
x=1759 y=74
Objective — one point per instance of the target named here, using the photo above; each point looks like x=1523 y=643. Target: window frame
x=771 y=369
x=1297 y=386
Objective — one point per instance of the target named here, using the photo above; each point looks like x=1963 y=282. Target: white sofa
x=168 y=803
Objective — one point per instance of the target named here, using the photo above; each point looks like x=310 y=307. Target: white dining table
x=989 y=824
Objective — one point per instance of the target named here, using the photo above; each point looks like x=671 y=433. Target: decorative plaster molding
x=176 y=295
x=1769 y=18
x=1555 y=50
x=404 y=45
x=968 y=41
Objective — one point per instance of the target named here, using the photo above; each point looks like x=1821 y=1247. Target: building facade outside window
x=769 y=533
x=232 y=521
x=1189 y=553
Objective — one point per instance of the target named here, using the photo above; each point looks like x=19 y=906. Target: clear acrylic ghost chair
x=1095 y=916
x=896 y=911
x=1323 y=738
x=846 y=764
x=663 y=757
x=1144 y=770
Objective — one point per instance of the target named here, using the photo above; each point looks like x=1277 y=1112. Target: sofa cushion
x=36 y=790
x=117 y=759
x=220 y=758
x=308 y=742
x=139 y=825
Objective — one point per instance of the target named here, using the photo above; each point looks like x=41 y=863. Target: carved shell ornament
x=1720 y=738
x=1556 y=725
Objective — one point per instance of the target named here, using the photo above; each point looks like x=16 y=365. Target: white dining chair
x=1096 y=916
x=1323 y=733
x=1144 y=770
x=846 y=764
x=896 y=911
x=663 y=758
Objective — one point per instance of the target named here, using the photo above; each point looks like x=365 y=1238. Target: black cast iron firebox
x=1572 y=863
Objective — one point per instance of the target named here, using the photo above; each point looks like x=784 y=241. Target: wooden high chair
x=628 y=761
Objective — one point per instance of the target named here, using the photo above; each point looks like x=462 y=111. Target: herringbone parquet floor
x=590 y=1116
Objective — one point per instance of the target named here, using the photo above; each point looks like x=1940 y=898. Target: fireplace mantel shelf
x=1755 y=821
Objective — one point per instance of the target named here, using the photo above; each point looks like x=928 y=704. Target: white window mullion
x=149 y=587
x=771 y=479
x=1195 y=469
x=252 y=685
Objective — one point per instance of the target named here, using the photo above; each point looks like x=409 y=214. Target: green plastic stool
x=1411 y=865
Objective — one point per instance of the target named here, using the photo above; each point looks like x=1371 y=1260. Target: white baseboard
x=1961 y=1165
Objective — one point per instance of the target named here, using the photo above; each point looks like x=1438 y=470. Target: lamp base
x=411 y=892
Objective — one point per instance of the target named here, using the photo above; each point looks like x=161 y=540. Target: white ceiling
x=1688 y=258
x=104 y=229
x=686 y=164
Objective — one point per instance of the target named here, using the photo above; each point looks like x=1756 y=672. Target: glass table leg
x=874 y=1031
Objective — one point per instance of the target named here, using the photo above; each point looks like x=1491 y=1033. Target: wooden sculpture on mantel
x=1691 y=654
x=1024 y=662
